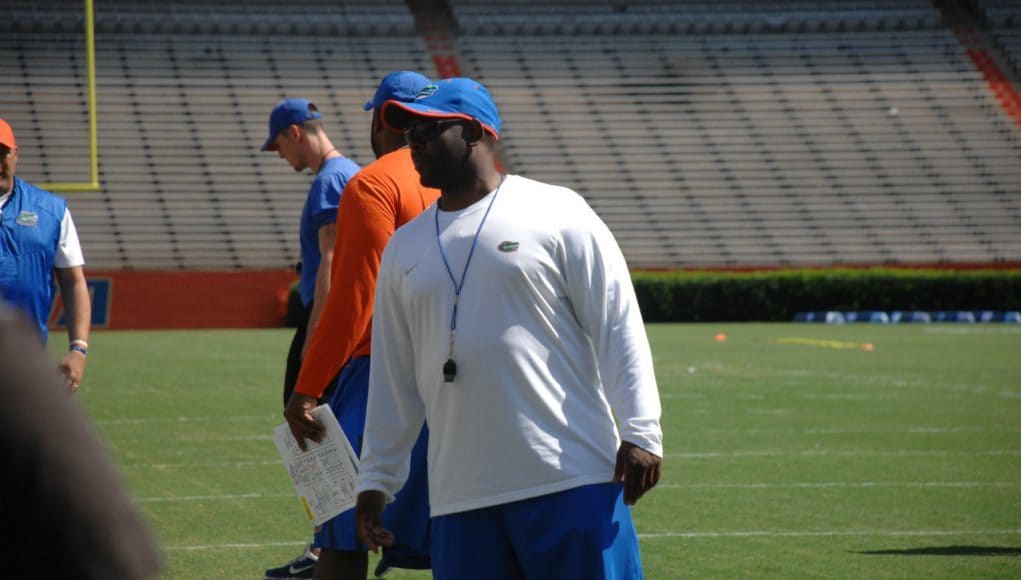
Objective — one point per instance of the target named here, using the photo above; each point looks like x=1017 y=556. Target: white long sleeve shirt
x=550 y=349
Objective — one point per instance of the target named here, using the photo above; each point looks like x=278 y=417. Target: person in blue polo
x=38 y=242
x=297 y=135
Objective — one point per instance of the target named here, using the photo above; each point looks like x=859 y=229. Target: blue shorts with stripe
x=585 y=532
x=407 y=517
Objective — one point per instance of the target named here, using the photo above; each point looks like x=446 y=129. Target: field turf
x=792 y=451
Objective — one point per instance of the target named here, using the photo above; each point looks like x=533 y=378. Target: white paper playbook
x=325 y=476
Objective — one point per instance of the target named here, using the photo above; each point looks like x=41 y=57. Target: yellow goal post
x=90 y=67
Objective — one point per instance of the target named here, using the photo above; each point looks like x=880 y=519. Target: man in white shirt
x=38 y=239
x=506 y=320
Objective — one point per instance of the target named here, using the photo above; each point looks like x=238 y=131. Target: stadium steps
x=749 y=139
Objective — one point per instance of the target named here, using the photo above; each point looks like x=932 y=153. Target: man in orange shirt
x=380 y=198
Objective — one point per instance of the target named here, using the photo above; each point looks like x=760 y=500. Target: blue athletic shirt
x=321 y=209
x=28 y=248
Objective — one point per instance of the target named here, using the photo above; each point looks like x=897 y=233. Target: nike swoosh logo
x=292 y=570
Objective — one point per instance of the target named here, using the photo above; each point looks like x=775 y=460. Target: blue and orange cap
x=403 y=85
x=457 y=98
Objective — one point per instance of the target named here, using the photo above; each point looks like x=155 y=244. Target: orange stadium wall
x=140 y=300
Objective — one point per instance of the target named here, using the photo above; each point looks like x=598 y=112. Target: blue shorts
x=408 y=515
x=585 y=532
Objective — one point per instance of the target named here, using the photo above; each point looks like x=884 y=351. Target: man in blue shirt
x=38 y=239
x=296 y=133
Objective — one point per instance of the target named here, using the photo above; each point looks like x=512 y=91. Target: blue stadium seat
x=965 y=316
x=905 y=316
x=827 y=317
x=870 y=316
x=1007 y=316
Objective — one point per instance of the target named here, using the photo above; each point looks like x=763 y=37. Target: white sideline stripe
x=185 y=419
x=682 y=455
x=192 y=439
x=231 y=546
x=828 y=533
x=805 y=485
x=816 y=431
x=972 y=330
x=843 y=453
x=221 y=497
x=218 y=464
x=656 y=535
x=829 y=431
x=844 y=484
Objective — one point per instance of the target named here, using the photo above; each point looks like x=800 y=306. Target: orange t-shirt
x=380 y=198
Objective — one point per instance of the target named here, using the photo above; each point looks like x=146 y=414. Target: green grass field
x=791 y=451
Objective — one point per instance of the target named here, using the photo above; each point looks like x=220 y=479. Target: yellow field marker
x=838 y=344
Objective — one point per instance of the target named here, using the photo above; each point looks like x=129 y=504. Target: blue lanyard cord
x=458 y=286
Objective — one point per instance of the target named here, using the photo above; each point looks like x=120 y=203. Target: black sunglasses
x=425 y=132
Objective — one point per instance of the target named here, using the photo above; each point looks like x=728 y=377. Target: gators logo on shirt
x=27 y=218
x=508 y=247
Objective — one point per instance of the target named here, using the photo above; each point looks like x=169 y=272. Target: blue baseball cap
x=288 y=112
x=403 y=85
x=446 y=99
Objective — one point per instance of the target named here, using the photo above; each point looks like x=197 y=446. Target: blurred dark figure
x=63 y=503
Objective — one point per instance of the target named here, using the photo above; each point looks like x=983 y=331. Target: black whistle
x=449 y=371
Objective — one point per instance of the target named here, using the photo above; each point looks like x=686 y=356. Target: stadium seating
x=1003 y=18
x=901 y=316
x=867 y=316
x=787 y=148
x=912 y=316
x=999 y=13
x=566 y=17
x=728 y=133
x=182 y=115
x=828 y=317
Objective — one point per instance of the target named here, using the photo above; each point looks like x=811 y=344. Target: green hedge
x=778 y=295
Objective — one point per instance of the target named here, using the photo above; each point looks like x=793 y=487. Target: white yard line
x=203 y=465
x=949 y=329
x=842 y=453
x=184 y=419
x=194 y=439
x=925 y=430
x=678 y=455
x=211 y=497
x=793 y=485
x=842 y=484
x=830 y=533
x=689 y=534
x=249 y=545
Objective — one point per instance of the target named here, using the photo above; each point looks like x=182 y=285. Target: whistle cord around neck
x=450 y=367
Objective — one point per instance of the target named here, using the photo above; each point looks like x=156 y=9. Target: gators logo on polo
x=507 y=247
x=27 y=218
x=426 y=91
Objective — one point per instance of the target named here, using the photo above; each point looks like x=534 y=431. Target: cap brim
x=369 y=105
x=398 y=115
x=270 y=144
